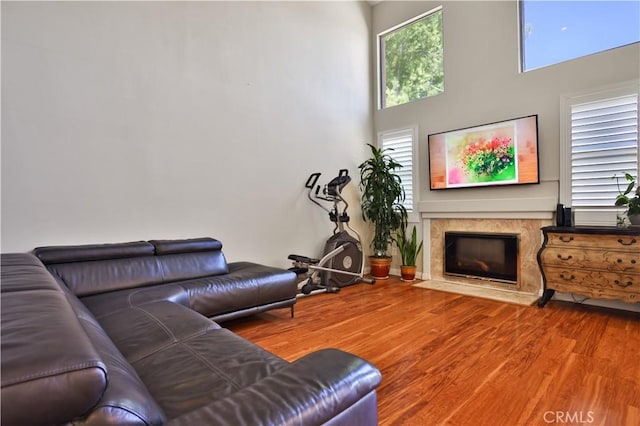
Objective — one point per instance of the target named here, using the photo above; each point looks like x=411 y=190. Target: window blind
x=604 y=142
x=401 y=141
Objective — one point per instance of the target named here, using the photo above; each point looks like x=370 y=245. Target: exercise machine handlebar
x=331 y=193
x=311 y=182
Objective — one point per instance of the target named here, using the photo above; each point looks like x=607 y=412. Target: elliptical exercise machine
x=342 y=263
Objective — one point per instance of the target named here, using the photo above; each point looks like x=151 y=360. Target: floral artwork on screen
x=494 y=154
x=482 y=155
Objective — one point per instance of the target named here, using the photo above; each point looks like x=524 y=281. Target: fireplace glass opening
x=485 y=256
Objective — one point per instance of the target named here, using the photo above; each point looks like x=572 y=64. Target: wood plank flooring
x=449 y=359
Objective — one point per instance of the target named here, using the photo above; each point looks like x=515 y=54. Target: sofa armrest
x=310 y=391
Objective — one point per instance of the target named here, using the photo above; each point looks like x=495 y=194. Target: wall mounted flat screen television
x=500 y=153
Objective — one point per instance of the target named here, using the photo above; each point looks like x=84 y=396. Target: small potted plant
x=409 y=249
x=382 y=197
x=629 y=198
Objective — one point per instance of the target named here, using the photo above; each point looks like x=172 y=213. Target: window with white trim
x=556 y=31
x=411 y=60
x=401 y=143
x=600 y=141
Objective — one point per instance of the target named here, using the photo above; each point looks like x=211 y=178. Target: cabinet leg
x=546 y=296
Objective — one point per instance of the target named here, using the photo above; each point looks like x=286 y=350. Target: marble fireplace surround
x=529 y=284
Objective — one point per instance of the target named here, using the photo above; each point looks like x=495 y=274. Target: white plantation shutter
x=604 y=142
x=401 y=141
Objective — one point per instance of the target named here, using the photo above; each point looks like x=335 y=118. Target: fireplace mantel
x=521 y=202
x=541 y=215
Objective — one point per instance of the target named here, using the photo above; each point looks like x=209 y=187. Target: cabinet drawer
x=617 y=242
x=581 y=279
x=608 y=260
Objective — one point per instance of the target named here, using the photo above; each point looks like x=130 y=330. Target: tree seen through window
x=412 y=60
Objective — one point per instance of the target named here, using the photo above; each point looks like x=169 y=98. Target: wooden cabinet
x=596 y=262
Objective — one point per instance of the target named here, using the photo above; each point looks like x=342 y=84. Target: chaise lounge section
x=119 y=334
x=191 y=272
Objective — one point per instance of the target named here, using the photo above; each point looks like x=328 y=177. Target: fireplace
x=529 y=239
x=485 y=256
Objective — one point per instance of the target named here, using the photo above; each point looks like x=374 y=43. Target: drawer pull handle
x=627 y=284
x=627 y=243
x=565 y=239
x=569 y=278
x=565 y=258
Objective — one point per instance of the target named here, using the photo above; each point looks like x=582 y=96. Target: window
x=601 y=139
x=401 y=141
x=557 y=31
x=410 y=60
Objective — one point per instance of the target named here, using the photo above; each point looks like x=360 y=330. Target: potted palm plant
x=629 y=198
x=382 y=197
x=409 y=249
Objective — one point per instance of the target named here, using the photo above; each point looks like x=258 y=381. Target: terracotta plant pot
x=380 y=267
x=407 y=273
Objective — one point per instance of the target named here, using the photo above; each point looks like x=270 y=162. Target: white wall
x=137 y=120
x=124 y=121
x=483 y=85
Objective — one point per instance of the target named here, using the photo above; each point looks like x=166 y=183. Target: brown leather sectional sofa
x=126 y=334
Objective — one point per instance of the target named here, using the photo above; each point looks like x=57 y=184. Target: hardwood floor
x=448 y=359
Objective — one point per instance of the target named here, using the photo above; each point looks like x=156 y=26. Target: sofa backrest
x=51 y=371
x=99 y=268
x=58 y=364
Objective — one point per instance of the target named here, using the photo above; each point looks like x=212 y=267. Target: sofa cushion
x=157 y=326
x=126 y=400
x=185 y=266
x=108 y=303
x=185 y=360
x=247 y=285
x=98 y=276
x=206 y=367
x=321 y=388
x=51 y=371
